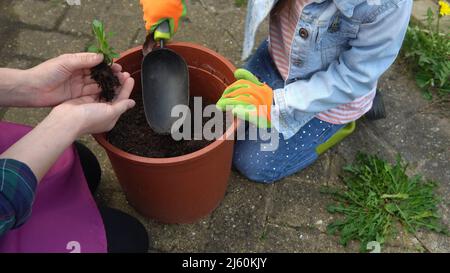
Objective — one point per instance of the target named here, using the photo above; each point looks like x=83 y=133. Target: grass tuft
x=378 y=196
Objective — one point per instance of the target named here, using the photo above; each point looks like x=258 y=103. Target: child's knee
x=257 y=170
x=270 y=167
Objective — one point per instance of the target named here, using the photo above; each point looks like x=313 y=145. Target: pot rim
x=102 y=140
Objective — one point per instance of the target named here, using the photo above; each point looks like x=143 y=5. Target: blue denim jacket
x=350 y=44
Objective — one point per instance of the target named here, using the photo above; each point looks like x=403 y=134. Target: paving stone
x=79 y=18
x=26 y=116
x=122 y=17
x=16 y=63
x=44 y=45
x=297 y=203
x=238 y=223
x=436 y=243
x=2 y=112
x=202 y=28
x=420 y=9
x=232 y=19
x=126 y=21
x=279 y=239
x=180 y=238
x=44 y=14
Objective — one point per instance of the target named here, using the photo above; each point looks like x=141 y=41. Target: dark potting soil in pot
x=132 y=134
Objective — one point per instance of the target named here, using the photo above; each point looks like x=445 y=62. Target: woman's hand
x=88 y=116
x=41 y=147
x=63 y=78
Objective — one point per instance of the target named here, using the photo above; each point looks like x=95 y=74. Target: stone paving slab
x=299 y=204
x=180 y=238
x=50 y=45
x=35 y=13
x=420 y=10
x=30 y=117
x=120 y=17
x=238 y=224
x=289 y=216
x=279 y=239
x=202 y=27
x=78 y=19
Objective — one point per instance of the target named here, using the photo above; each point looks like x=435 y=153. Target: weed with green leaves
x=428 y=50
x=377 y=197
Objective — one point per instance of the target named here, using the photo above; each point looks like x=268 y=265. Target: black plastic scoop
x=165 y=83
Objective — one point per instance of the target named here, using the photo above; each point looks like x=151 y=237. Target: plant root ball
x=103 y=75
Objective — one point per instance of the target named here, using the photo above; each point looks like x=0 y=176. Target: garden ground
x=289 y=216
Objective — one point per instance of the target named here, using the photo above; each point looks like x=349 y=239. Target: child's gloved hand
x=158 y=11
x=248 y=98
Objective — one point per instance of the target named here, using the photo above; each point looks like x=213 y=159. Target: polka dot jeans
x=291 y=155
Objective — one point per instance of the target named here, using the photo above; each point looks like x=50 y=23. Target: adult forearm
x=12 y=87
x=40 y=148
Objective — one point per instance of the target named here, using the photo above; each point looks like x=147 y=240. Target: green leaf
x=395 y=196
x=97 y=25
x=102 y=45
x=427 y=95
x=429 y=53
x=93 y=49
x=391 y=208
x=430 y=13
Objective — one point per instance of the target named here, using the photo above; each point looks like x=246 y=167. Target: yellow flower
x=444 y=8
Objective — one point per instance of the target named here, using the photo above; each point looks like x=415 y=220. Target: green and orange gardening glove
x=159 y=11
x=249 y=99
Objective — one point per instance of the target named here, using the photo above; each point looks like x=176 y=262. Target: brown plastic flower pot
x=186 y=188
